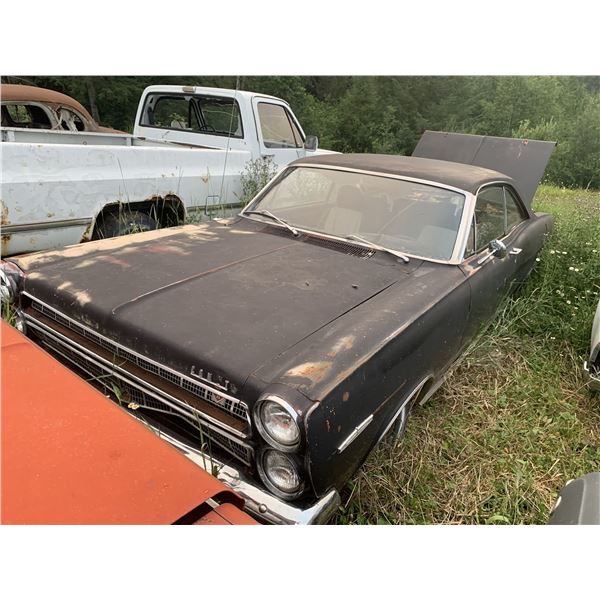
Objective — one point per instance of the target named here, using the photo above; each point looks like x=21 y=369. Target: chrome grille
x=127 y=393
x=227 y=403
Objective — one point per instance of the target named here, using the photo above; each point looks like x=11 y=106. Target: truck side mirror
x=311 y=143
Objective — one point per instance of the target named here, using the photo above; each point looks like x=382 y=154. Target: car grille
x=224 y=402
x=136 y=393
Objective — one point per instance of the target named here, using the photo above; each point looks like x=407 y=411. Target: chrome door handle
x=516 y=251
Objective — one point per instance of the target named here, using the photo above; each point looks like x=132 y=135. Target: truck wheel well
x=166 y=212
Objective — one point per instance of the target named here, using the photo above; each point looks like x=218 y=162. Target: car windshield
x=415 y=218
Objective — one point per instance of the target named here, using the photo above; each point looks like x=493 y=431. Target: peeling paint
x=345 y=343
x=82 y=297
x=345 y=396
x=87 y=234
x=314 y=371
x=4 y=220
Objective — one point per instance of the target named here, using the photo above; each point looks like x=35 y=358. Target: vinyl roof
x=465 y=177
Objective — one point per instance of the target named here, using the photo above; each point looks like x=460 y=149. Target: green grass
x=514 y=421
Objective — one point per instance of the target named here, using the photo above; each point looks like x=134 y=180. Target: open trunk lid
x=523 y=160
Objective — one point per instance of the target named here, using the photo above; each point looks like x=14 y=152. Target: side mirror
x=311 y=143
x=498 y=248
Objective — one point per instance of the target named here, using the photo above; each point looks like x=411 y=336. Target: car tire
x=123 y=223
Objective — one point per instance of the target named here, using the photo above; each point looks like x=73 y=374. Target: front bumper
x=261 y=504
x=593 y=377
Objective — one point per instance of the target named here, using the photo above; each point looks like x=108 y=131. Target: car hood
x=222 y=298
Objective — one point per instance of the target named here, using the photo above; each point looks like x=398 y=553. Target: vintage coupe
x=288 y=341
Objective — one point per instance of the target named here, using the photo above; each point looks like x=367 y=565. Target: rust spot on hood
x=313 y=371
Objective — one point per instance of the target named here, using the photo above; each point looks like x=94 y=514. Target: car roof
x=465 y=177
x=28 y=93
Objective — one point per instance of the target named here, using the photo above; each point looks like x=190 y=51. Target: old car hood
x=225 y=299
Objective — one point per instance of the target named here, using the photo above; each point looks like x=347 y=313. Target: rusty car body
x=30 y=107
x=71 y=456
x=290 y=340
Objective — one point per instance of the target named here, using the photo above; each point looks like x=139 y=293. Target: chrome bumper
x=261 y=504
x=593 y=377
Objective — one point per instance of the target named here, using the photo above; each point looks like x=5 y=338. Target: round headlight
x=280 y=473
x=278 y=425
x=10 y=277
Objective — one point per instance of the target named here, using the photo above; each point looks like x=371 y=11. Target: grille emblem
x=207 y=377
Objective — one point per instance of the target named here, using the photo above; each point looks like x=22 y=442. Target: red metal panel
x=70 y=455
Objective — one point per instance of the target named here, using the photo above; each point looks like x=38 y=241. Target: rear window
x=210 y=115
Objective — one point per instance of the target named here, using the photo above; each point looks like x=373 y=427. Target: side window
x=470 y=248
x=70 y=121
x=28 y=116
x=514 y=214
x=277 y=127
x=489 y=216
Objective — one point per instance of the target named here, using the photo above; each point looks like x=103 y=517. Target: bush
x=256 y=174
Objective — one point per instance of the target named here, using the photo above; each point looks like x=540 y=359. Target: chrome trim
x=263 y=430
x=462 y=234
x=197 y=419
x=45 y=225
x=515 y=251
x=267 y=480
x=138 y=383
x=258 y=502
x=355 y=433
x=95 y=334
x=416 y=390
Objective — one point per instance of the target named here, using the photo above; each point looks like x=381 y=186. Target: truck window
x=277 y=127
x=221 y=116
x=173 y=112
x=208 y=114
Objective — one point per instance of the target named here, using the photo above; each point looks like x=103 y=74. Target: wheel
x=123 y=223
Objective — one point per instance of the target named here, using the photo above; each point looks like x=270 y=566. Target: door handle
x=515 y=251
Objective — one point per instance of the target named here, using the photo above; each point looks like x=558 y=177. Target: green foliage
x=514 y=421
x=388 y=114
x=256 y=174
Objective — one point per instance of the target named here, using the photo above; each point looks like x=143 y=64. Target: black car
x=278 y=348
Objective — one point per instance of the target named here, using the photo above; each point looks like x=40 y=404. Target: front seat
x=345 y=217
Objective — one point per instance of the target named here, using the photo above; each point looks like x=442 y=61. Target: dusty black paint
x=340 y=335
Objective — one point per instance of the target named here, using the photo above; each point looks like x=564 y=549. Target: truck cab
x=264 y=126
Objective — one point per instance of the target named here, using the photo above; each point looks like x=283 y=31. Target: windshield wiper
x=266 y=213
x=378 y=247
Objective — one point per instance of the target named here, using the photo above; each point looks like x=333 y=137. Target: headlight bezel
x=266 y=479
x=263 y=430
x=10 y=282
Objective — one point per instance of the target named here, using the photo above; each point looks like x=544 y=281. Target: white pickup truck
x=189 y=149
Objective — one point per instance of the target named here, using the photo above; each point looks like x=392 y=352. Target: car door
x=498 y=215
x=279 y=134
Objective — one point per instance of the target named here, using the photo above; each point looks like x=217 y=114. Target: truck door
x=279 y=134
x=498 y=216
